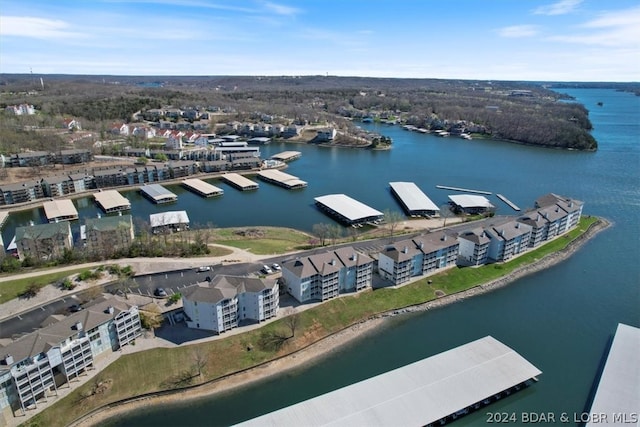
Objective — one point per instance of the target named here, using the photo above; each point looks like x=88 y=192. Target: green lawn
x=13 y=288
x=161 y=369
x=263 y=240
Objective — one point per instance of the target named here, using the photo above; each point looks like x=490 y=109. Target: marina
x=240 y=182
x=60 y=210
x=287 y=156
x=619 y=388
x=282 y=179
x=158 y=194
x=111 y=201
x=470 y=203
x=170 y=221
x=202 y=188
x=508 y=202
x=348 y=210
x=464 y=190
x=413 y=200
x=432 y=391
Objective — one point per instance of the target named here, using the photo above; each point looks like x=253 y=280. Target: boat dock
x=508 y=202
x=431 y=391
x=464 y=190
x=240 y=182
x=202 y=188
x=413 y=200
x=287 y=156
x=158 y=194
x=348 y=210
x=616 y=397
x=3 y=217
x=282 y=179
x=60 y=210
x=111 y=201
x=170 y=221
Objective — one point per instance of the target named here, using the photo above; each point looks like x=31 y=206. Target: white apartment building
x=474 y=247
x=508 y=239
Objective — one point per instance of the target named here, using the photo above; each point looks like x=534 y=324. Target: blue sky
x=564 y=40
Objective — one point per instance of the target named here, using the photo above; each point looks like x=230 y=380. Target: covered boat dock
x=413 y=200
x=282 y=179
x=158 y=194
x=348 y=210
x=432 y=391
x=202 y=188
x=240 y=182
x=617 y=398
x=111 y=201
x=170 y=221
x=287 y=156
x=60 y=210
x=471 y=203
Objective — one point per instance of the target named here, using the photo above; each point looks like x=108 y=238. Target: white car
x=204 y=268
x=276 y=267
x=266 y=269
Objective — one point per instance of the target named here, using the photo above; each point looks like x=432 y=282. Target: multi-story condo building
x=324 y=276
x=572 y=207
x=474 y=247
x=508 y=239
x=220 y=304
x=44 y=241
x=20 y=192
x=419 y=256
x=35 y=365
x=107 y=235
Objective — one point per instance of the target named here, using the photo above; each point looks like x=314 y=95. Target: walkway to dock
x=464 y=190
x=508 y=202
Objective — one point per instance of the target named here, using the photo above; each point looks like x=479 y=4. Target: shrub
x=67 y=284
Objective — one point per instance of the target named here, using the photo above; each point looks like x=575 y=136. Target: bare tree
x=392 y=218
x=321 y=231
x=335 y=232
x=292 y=320
x=200 y=359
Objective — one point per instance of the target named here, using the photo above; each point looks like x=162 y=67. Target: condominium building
x=107 y=235
x=44 y=241
x=508 y=239
x=474 y=247
x=326 y=275
x=219 y=305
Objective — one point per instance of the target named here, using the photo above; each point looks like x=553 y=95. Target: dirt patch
x=251 y=233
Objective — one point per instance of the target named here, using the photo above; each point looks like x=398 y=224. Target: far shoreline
x=325 y=346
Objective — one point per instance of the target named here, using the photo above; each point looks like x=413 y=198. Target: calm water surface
x=560 y=319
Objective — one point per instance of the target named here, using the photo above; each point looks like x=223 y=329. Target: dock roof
x=287 y=155
x=282 y=178
x=60 y=209
x=168 y=218
x=239 y=180
x=416 y=394
x=470 y=201
x=619 y=386
x=347 y=207
x=412 y=197
x=111 y=199
x=202 y=187
x=157 y=192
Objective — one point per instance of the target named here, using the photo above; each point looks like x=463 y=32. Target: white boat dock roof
x=239 y=181
x=287 y=156
x=470 y=201
x=281 y=178
x=618 y=393
x=3 y=217
x=412 y=198
x=348 y=209
x=414 y=395
x=112 y=201
x=168 y=218
x=202 y=188
x=157 y=193
x=60 y=210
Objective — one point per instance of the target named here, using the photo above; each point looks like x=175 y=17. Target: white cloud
x=619 y=28
x=280 y=9
x=39 y=28
x=559 y=8
x=515 y=31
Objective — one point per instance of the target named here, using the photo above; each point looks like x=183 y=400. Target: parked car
x=204 y=268
x=75 y=308
x=276 y=267
x=266 y=269
x=160 y=292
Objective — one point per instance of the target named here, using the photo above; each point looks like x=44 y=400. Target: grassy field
x=162 y=369
x=13 y=288
x=263 y=240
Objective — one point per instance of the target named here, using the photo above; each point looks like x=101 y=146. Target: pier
x=282 y=179
x=508 y=202
x=111 y=201
x=432 y=391
x=158 y=194
x=60 y=210
x=348 y=210
x=413 y=200
x=202 y=188
x=240 y=182
x=287 y=156
x=170 y=221
x=464 y=190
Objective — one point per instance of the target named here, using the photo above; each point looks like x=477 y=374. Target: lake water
x=560 y=319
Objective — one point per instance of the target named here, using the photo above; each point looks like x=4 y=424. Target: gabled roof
x=508 y=230
x=225 y=287
x=477 y=236
x=108 y=223
x=43 y=231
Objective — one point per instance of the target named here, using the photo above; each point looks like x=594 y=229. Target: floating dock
x=348 y=210
x=617 y=394
x=202 y=188
x=111 y=201
x=508 y=202
x=413 y=200
x=432 y=391
x=282 y=179
x=471 y=203
x=287 y=156
x=60 y=210
x=170 y=221
x=158 y=194
x=240 y=182
x=464 y=190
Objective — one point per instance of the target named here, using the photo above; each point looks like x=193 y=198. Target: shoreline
x=331 y=343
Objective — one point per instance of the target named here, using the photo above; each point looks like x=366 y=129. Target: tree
x=292 y=320
x=200 y=359
x=321 y=231
x=392 y=218
x=446 y=212
x=335 y=232
x=150 y=320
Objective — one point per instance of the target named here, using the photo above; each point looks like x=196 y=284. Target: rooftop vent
x=8 y=359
